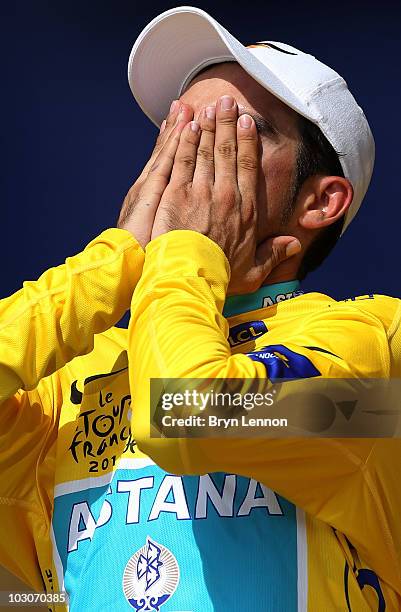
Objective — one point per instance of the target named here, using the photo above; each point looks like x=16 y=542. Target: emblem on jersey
x=150 y=577
x=283 y=363
x=245 y=332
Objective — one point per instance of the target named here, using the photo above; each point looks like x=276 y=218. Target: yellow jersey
x=91 y=504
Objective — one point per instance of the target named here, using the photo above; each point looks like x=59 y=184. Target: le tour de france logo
x=150 y=577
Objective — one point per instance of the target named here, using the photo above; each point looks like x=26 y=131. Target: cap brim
x=176 y=45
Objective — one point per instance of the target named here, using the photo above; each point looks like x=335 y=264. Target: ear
x=325 y=199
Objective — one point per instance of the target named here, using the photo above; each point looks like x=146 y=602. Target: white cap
x=179 y=43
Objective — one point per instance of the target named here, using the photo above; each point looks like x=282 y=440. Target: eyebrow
x=263 y=125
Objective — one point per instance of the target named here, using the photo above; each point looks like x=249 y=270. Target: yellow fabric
x=44 y=326
x=177 y=331
x=56 y=333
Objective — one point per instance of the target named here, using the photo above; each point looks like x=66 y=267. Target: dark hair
x=316 y=156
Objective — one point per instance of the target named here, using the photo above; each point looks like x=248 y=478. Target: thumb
x=273 y=251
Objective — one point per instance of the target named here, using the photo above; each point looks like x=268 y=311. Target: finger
x=160 y=172
x=185 y=157
x=140 y=206
x=145 y=199
x=164 y=133
x=247 y=162
x=204 y=169
x=169 y=123
x=178 y=112
x=225 y=144
x=274 y=251
x=176 y=121
x=172 y=115
x=174 y=118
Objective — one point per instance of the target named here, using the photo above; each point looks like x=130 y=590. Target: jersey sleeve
x=177 y=330
x=54 y=319
x=43 y=326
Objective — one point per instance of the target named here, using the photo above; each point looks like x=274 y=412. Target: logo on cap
x=269 y=46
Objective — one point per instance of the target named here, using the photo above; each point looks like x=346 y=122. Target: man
x=242 y=195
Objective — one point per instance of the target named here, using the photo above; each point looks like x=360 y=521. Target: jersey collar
x=263 y=297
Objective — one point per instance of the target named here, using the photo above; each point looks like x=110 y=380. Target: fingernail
x=173 y=106
x=227 y=103
x=195 y=126
x=292 y=248
x=210 y=112
x=245 y=121
x=163 y=127
x=180 y=115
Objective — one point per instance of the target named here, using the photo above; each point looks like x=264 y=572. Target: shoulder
x=374 y=308
x=357 y=330
x=384 y=307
